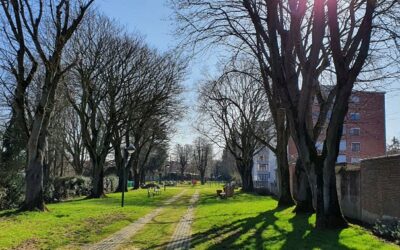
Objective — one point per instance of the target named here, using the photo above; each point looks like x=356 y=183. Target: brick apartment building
x=363 y=130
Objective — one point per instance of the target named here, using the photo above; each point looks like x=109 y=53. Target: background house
x=265 y=171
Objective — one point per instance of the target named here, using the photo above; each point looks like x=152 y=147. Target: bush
x=150 y=185
x=388 y=229
x=170 y=183
x=110 y=183
x=11 y=191
x=62 y=188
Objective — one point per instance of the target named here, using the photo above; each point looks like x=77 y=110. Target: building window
x=342 y=145
x=355 y=160
x=341 y=159
x=355 y=131
x=263 y=177
x=355 y=146
x=355 y=116
x=344 y=129
x=355 y=99
x=262 y=167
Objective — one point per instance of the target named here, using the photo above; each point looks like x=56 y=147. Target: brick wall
x=371 y=191
x=348 y=182
x=380 y=188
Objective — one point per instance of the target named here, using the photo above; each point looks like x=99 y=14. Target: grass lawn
x=245 y=221
x=249 y=221
x=76 y=222
x=157 y=234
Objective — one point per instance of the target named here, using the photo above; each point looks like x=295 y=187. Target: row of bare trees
x=79 y=88
x=307 y=54
x=198 y=155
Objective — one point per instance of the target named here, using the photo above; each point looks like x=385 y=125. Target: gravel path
x=182 y=234
x=117 y=239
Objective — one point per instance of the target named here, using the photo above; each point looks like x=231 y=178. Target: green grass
x=159 y=231
x=249 y=221
x=75 y=222
x=245 y=221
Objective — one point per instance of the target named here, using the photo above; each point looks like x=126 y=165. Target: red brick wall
x=380 y=188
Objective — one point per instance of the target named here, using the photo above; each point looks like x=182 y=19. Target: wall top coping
x=347 y=167
x=381 y=157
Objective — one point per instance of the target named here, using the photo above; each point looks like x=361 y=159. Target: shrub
x=11 y=191
x=389 y=229
x=62 y=188
x=149 y=185
x=110 y=183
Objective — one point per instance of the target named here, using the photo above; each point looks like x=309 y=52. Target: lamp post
x=129 y=150
x=165 y=176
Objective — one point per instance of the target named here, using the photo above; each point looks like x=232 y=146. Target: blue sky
x=151 y=18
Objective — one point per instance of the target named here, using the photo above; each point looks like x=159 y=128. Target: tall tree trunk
x=97 y=179
x=285 y=197
x=120 y=166
x=332 y=213
x=202 y=177
x=143 y=176
x=34 y=182
x=328 y=213
x=182 y=174
x=37 y=144
x=136 y=179
x=302 y=191
x=247 y=179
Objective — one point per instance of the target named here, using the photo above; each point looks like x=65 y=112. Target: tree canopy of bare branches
x=302 y=46
x=202 y=156
x=236 y=107
x=36 y=36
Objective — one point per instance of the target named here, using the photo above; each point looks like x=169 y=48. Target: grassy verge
x=159 y=231
x=75 y=222
x=249 y=221
x=245 y=221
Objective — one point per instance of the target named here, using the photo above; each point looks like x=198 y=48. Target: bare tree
x=28 y=23
x=74 y=147
x=202 y=156
x=160 y=102
x=227 y=23
x=103 y=76
x=237 y=107
x=183 y=154
x=285 y=43
x=294 y=51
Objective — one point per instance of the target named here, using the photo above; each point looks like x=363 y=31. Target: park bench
x=152 y=191
x=228 y=191
x=221 y=194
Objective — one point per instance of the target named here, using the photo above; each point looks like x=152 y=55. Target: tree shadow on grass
x=210 y=199
x=268 y=230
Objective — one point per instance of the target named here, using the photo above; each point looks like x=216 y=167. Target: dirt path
x=182 y=234
x=115 y=240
